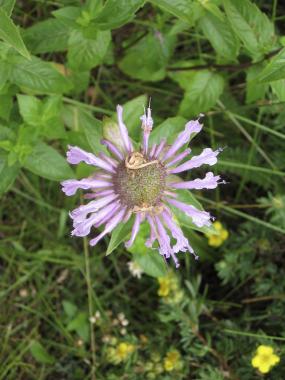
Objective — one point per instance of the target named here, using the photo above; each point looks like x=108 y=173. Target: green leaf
x=184 y=77
x=7 y=6
x=46 y=162
x=152 y=263
x=187 y=10
x=68 y=15
x=251 y=25
x=44 y=115
x=254 y=89
x=148 y=259
x=119 y=234
x=133 y=110
x=11 y=35
x=86 y=53
x=30 y=109
x=117 y=13
x=37 y=75
x=168 y=129
x=275 y=69
x=8 y=174
x=140 y=64
x=47 y=36
x=80 y=324
x=40 y=354
x=278 y=88
x=220 y=35
x=202 y=93
x=69 y=308
x=111 y=132
x=93 y=130
x=6 y=102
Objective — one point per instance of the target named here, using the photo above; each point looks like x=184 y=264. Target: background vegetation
x=64 y=65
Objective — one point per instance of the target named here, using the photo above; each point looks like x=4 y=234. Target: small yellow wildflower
x=217 y=239
x=172 y=361
x=169 y=289
x=120 y=353
x=264 y=359
x=164 y=286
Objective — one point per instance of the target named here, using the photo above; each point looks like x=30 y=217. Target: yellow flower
x=120 y=353
x=172 y=361
x=164 y=286
x=216 y=240
x=264 y=359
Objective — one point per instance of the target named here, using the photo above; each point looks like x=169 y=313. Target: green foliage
x=69 y=309
x=10 y=34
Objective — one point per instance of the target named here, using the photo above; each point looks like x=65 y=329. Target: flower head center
x=140 y=182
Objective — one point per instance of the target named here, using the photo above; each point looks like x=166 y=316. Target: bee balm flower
x=140 y=183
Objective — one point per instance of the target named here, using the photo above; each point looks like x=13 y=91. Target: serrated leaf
x=220 y=35
x=8 y=174
x=37 y=75
x=40 y=354
x=117 y=13
x=11 y=35
x=86 y=53
x=140 y=64
x=47 y=36
x=275 y=69
x=251 y=25
x=202 y=93
x=46 y=162
x=119 y=234
x=186 y=10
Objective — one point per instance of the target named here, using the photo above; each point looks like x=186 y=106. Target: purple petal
x=113 y=149
x=153 y=148
x=209 y=182
x=147 y=123
x=83 y=227
x=149 y=242
x=159 y=148
x=178 y=158
x=81 y=212
x=135 y=230
x=109 y=226
x=164 y=242
x=182 y=243
x=123 y=129
x=108 y=159
x=191 y=127
x=200 y=218
x=70 y=186
x=208 y=156
x=76 y=155
x=96 y=194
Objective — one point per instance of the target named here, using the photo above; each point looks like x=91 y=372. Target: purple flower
x=141 y=182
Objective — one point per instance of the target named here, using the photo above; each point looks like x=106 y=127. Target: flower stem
x=90 y=308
